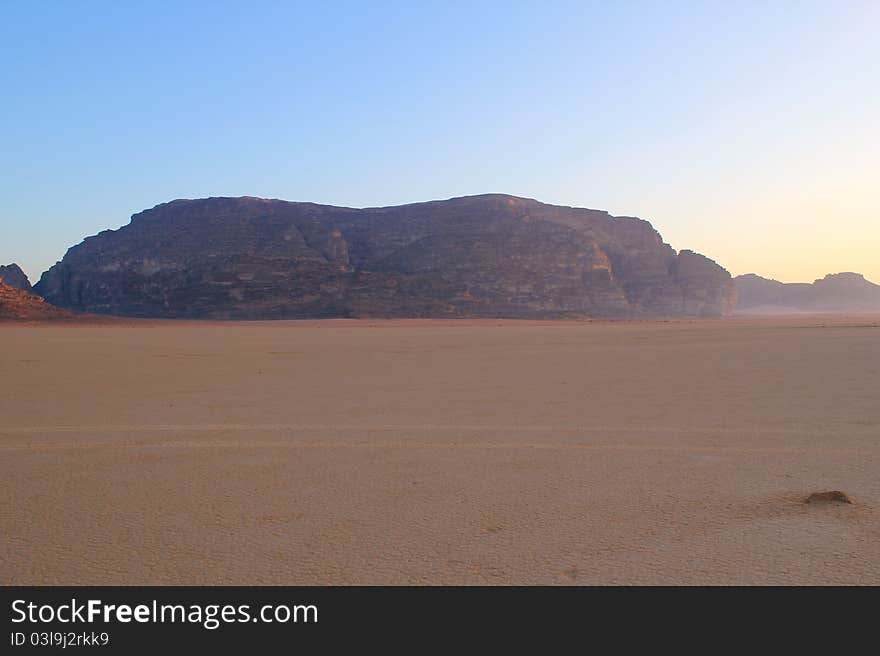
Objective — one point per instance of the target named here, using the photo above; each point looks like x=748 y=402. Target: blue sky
x=749 y=131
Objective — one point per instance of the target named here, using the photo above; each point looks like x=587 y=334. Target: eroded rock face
x=840 y=292
x=478 y=256
x=13 y=276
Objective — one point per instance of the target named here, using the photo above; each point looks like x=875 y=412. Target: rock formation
x=834 y=496
x=477 y=256
x=840 y=292
x=13 y=276
x=18 y=304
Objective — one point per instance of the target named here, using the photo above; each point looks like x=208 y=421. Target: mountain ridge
x=491 y=255
x=836 y=292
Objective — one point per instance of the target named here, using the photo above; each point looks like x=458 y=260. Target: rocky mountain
x=840 y=292
x=16 y=303
x=477 y=256
x=13 y=276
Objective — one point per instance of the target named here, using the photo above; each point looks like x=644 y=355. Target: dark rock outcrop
x=478 y=256
x=17 y=304
x=834 y=496
x=841 y=292
x=13 y=276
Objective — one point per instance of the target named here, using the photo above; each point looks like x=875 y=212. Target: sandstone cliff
x=478 y=256
x=841 y=292
x=13 y=276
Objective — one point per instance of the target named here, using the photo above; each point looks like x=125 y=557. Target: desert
x=471 y=451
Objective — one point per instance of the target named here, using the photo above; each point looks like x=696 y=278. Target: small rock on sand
x=834 y=496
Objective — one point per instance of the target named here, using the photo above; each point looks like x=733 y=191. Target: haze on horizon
x=748 y=133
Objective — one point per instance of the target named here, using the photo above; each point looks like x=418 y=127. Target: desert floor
x=440 y=452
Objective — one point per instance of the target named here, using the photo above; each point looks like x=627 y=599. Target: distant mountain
x=479 y=256
x=18 y=304
x=13 y=276
x=840 y=292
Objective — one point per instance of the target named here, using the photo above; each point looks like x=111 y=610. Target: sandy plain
x=374 y=452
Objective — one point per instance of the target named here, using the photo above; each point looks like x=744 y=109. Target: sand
x=420 y=452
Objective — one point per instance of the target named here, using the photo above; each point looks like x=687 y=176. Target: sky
x=748 y=131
